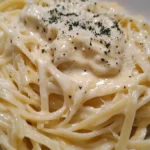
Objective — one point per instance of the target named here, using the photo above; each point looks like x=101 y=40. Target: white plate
x=135 y=7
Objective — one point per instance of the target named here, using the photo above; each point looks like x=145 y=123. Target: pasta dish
x=74 y=75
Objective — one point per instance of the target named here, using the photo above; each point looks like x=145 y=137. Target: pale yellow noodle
x=43 y=106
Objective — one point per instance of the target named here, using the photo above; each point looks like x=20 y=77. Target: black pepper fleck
x=43 y=50
x=101 y=42
x=90 y=43
x=80 y=87
x=102 y=59
x=107 y=45
x=105 y=52
x=70 y=27
x=69 y=96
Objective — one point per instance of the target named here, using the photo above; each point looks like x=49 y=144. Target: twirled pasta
x=74 y=75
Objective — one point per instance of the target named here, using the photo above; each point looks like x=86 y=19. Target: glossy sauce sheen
x=81 y=39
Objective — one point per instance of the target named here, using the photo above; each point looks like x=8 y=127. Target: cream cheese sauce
x=82 y=41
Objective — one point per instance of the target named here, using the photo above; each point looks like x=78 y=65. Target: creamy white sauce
x=79 y=37
x=82 y=41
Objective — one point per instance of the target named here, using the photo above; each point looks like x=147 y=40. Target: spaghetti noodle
x=74 y=75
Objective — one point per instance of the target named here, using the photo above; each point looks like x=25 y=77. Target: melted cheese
x=79 y=39
x=74 y=75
